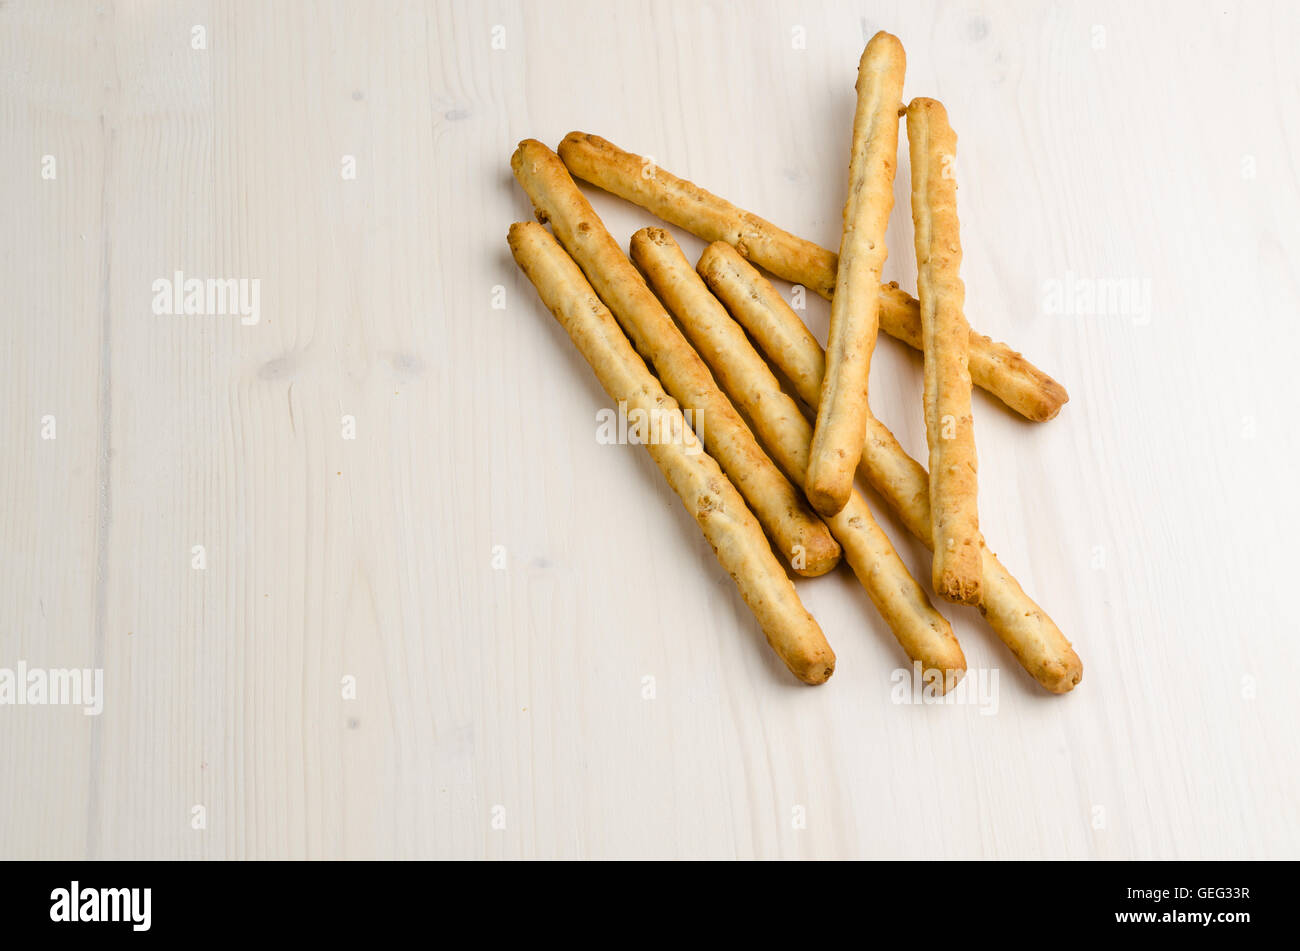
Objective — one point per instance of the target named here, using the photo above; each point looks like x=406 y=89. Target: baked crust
x=1026 y=629
x=842 y=411
x=949 y=424
x=925 y=635
x=732 y=530
x=803 y=540
x=994 y=366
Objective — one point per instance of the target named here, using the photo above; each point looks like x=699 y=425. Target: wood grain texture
x=1153 y=518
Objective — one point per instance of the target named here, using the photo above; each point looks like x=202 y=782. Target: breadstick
x=800 y=536
x=730 y=527
x=949 y=425
x=922 y=631
x=993 y=366
x=1022 y=625
x=842 y=412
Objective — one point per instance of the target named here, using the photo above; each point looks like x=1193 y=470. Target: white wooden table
x=473 y=631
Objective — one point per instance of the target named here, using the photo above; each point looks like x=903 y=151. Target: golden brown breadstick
x=949 y=425
x=842 y=412
x=1032 y=636
x=993 y=366
x=800 y=536
x=730 y=527
x=922 y=631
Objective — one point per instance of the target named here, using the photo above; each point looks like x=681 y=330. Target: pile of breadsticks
x=769 y=487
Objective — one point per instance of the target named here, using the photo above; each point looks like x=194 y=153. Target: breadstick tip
x=827 y=497
x=958 y=588
x=1051 y=398
x=818 y=670
x=524 y=146
x=521 y=231
x=1061 y=676
x=575 y=137
x=711 y=253
x=886 y=40
x=883 y=51
x=922 y=105
x=653 y=235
